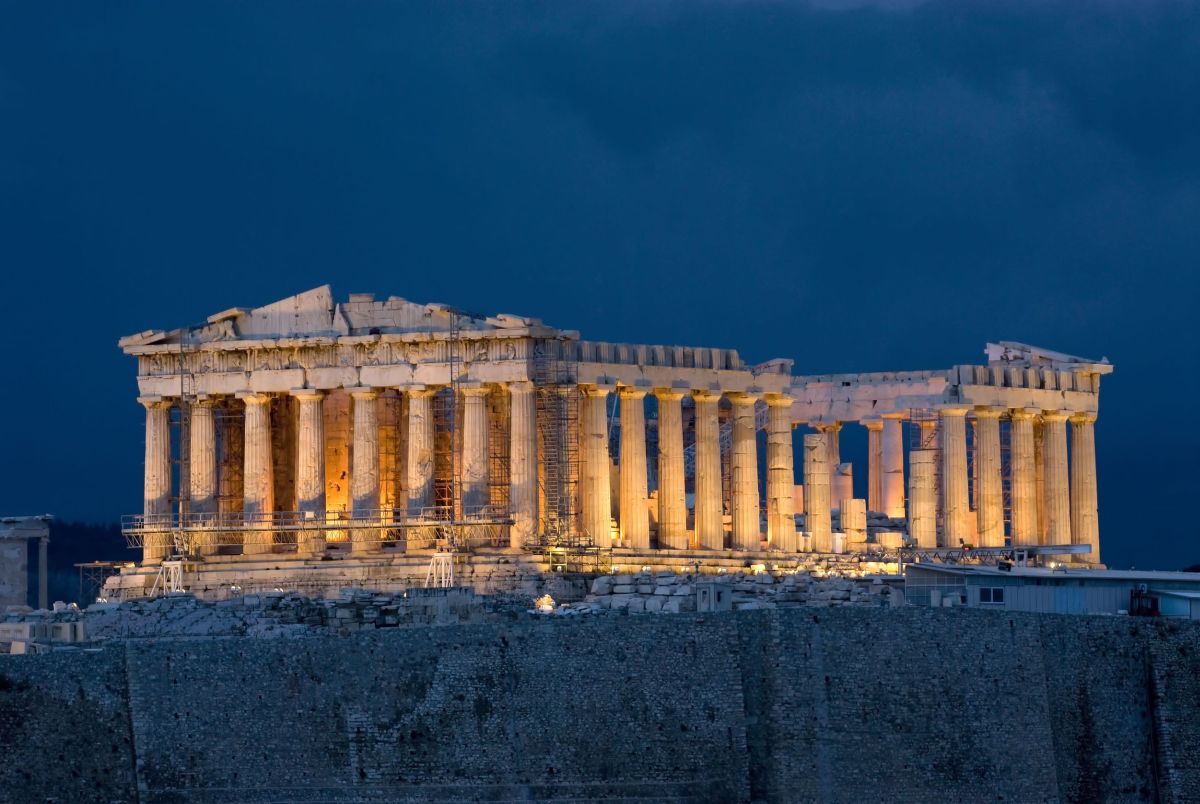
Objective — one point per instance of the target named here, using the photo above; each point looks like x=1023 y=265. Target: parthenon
x=311 y=429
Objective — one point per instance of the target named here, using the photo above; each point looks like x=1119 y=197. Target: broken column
x=635 y=516
x=156 y=489
x=672 y=500
x=956 y=508
x=893 y=466
x=747 y=534
x=853 y=513
x=523 y=460
x=420 y=449
x=710 y=529
x=596 y=491
x=1024 y=528
x=841 y=482
x=258 y=483
x=1085 y=520
x=988 y=481
x=816 y=492
x=922 y=498
x=781 y=479
x=310 y=471
x=1058 y=493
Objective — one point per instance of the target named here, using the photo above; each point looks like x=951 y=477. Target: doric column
x=156 y=489
x=364 y=466
x=922 y=498
x=874 y=463
x=597 y=484
x=1085 y=519
x=522 y=463
x=420 y=449
x=258 y=482
x=1058 y=490
x=710 y=528
x=893 y=465
x=831 y=431
x=310 y=469
x=988 y=478
x=747 y=534
x=781 y=477
x=672 y=498
x=475 y=474
x=817 y=519
x=202 y=458
x=1024 y=528
x=1039 y=478
x=635 y=517
x=956 y=508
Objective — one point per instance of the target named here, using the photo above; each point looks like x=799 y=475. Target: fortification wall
x=786 y=705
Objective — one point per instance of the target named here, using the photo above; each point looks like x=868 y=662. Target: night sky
x=854 y=186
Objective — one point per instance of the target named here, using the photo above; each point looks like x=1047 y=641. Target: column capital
x=253 y=397
x=307 y=393
x=742 y=397
x=203 y=401
x=363 y=392
x=596 y=389
x=953 y=410
x=670 y=394
x=476 y=389
x=778 y=400
x=895 y=415
x=1083 y=417
x=1055 y=415
x=988 y=412
x=1022 y=414
x=155 y=401
x=419 y=391
x=826 y=427
x=630 y=392
x=520 y=386
x=706 y=396
x=872 y=423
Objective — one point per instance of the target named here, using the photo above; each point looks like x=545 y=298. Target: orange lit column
x=258 y=484
x=922 y=498
x=1023 y=480
x=420 y=449
x=310 y=470
x=156 y=489
x=781 y=477
x=635 y=517
x=597 y=483
x=893 y=465
x=817 y=518
x=475 y=471
x=672 y=500
x=364 y=467
x=747 y=534
x=523 y=458
x=710 y=528
x=1085 y=518
x=1058 y=492
x=955 y=506
x=874 y=429
x=988 y=478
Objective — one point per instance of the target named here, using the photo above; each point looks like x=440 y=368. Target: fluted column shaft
x=310 y=468
x=364 y=466
x=922 y=498
x=202 y=458
x=522 y=463
x=988 y=478
x=1057 y=489
x=258 y=482
x=781 y=477
x=420 y=449
x=597 y=483
x=156 y=488
x=874 y=464
x=475 y=470
x=893 y=467
x=1024 y=528
x=710 y=528
x=672 y=497
x=1085 y=518
x=832 y=432
x=956 y=506
x=747 y=534
x=817 y=519
x=635 y=517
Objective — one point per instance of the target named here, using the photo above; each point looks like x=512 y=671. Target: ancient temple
x=311 y=428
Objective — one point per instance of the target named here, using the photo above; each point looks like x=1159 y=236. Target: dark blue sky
x=853 y=186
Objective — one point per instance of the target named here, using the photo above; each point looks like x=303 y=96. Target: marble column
x=672 y=498
x=1024 y=528
x=522 y=463
x=781 y=477
x=310 y=470
x=1039 y=478
x=893 y=466
x=156 y=488
x=874 y=463
x=635 y=516
x=597 y=483
x=747 y=532
x=710 y=527
x=956 y=508
x=1058 y=490
x=817 y=519
x=831 y=431
x=364 y=467
x=922 y=498
x=1085 y=519
x=258 y=481
x=419 y=483
x=202 y=459
x=475 y=470
x=988 y=478
x=232 y=434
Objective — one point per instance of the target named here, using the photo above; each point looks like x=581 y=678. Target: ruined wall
x=787 y=705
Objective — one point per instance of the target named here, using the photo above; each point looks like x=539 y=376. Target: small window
x=991 y=594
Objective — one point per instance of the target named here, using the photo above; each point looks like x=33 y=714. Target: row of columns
x=709 y=533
